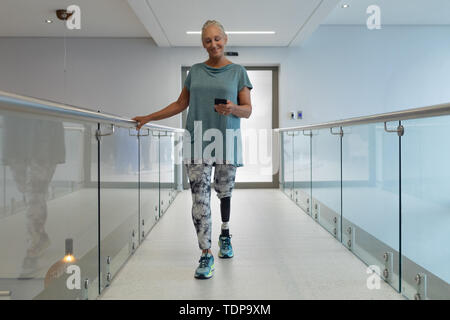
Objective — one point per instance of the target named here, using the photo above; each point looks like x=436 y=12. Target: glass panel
x=326 y=179
x=178 y=158
x=149 y=180
x=119 y=198
x=287 y=163
x=370 y=198
x=167 y=170
x=426 y=208
x=49 y=208
x=256 y=131
x=302 y=170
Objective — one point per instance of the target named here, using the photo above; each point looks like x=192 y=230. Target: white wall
x=349 y=71
x=340 y=72
x=126 y=77
x=122 y=76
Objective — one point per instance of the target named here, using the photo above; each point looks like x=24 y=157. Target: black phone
x=219 y=101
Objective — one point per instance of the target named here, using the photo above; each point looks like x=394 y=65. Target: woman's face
x=214 y=41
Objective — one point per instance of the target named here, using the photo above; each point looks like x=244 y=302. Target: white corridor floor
x=280 y=253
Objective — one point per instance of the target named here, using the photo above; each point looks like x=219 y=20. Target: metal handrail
x=415 y=113
x=19 y=103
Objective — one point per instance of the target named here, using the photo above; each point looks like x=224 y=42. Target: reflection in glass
x=32 y=148
x=46 y=199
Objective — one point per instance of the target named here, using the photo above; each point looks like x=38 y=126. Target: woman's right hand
x=141 y=120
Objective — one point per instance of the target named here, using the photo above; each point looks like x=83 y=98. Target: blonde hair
x=215 y=23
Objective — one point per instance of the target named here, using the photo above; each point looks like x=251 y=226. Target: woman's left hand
x=225 y=109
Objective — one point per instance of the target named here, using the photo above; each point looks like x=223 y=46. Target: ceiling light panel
x=248 y=23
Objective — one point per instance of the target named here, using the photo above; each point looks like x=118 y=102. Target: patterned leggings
x=200 y=181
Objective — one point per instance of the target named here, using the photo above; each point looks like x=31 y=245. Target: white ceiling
x=293 y=20
x=99 y=18
x=166 y=21
x=393 y=12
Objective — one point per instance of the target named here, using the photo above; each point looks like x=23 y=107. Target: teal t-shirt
x=214 y=137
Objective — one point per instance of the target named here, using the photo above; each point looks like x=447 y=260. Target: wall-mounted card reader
x=292 y=115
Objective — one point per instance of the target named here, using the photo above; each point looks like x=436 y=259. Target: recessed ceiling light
x=236 y=32
x=48 y=21
x=250 y=32
x=345 y=6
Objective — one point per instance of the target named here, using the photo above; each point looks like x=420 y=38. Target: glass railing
x=81 y=191
x=380 y=185
x=302 y=170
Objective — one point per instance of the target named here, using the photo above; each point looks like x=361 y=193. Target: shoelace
x=203 y=261
x=226 y=243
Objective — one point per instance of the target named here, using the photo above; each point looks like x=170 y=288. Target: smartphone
x=219 y=101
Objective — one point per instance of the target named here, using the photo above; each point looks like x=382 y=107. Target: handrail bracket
x=340 y=133
x=99 y=134
x=400 y=129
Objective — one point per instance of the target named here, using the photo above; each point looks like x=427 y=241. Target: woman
x=216 y=78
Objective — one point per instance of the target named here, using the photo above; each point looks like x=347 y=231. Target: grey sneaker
x=205 y=269
x=226 y=250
